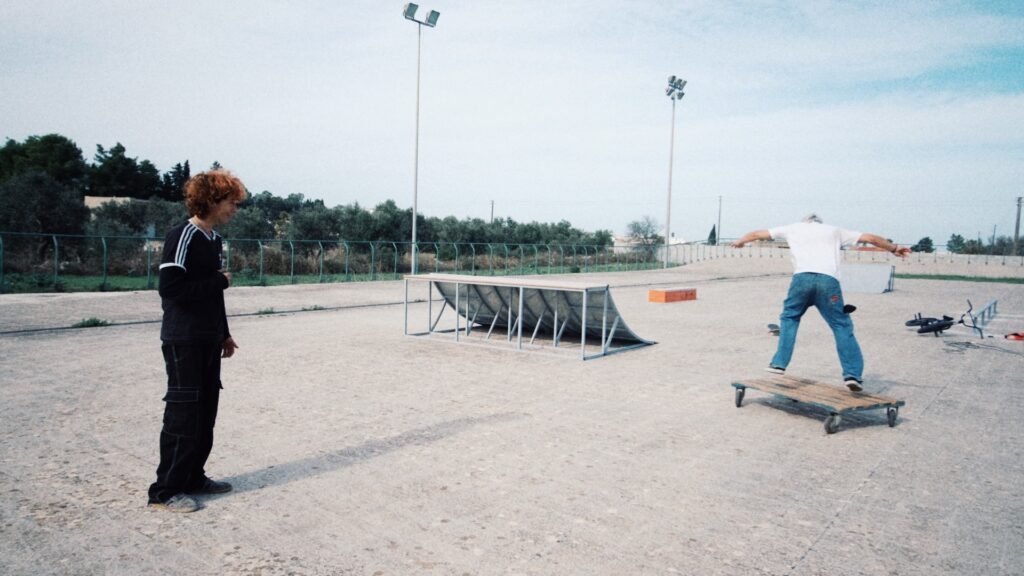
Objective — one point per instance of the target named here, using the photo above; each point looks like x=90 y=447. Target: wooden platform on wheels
x=836 y=400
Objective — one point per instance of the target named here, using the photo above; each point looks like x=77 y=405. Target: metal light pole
x=718 y=231
x=410 y=14
x=674 y=92
x=1016 y=231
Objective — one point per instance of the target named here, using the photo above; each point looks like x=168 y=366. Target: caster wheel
x=892 y=413
x=739 y=396
x=832 y=423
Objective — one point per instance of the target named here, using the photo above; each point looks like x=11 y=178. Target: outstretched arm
x=750 y=237
x=884 y=244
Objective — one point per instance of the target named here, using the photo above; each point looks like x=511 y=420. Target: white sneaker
x=181 y=503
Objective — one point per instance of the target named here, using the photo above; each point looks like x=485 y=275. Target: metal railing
x=75 y=263
x=62 y=262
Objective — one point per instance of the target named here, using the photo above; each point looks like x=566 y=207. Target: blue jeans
x=824 y=293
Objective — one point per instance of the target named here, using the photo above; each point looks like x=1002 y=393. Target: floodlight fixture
x=410 y=14
x=674 y=91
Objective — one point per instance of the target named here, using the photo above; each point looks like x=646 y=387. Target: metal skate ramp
x=525 y=313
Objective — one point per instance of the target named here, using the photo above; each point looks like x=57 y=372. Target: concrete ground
x=356 y=450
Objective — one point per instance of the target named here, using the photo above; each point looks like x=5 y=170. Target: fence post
x=56 y=259
x=437 y=258
x=373 y=261
x=260 y=244
x=321 y=244
x=395 y=247
x=291 y=276
x=103 y=240
x=490 y=257
x=149 y=264
x=347 y=276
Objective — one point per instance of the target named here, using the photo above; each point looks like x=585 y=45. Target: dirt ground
x=354 y=449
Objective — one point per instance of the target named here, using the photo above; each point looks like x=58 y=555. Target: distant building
x=93 y=202
x=626 y=241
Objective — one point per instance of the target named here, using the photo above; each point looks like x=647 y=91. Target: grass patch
x=959 y=278
x=312 y=308
x=266 y=312
x=90 y=323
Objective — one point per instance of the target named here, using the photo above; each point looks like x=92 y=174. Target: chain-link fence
x=58 y=263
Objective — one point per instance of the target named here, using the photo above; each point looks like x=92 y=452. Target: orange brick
x=672 y=295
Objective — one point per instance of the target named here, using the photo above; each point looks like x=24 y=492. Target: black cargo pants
x=190 y=411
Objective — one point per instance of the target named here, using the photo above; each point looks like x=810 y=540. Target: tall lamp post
x=410 y=14
x=674 y=92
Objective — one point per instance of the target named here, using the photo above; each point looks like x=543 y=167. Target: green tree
x=923 y=245
x=603 y=238
x=36 y=202
x=354 y=222
x=172 y=185
x=956 y=244
x=115 y=174
x=249 y=223
x=645 y=231
x=973 y=247
x=163 y=215
x=713 y=236
x=314 y=222
x=391 y=222
x=1001 y=246
x=53 y=154
x=137 y=217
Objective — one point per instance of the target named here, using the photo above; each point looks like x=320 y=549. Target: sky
x=904 y=119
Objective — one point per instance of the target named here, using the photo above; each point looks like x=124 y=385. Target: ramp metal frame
x=554 y=309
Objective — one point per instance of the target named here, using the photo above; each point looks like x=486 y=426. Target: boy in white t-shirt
x=815 y=250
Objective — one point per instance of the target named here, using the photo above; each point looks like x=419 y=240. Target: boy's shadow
x=276 y=475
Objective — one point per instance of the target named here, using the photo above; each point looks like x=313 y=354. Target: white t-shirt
x=815 y=247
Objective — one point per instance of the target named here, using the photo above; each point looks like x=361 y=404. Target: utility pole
x=718 y=237
x=1016 y=231
x=492 y=211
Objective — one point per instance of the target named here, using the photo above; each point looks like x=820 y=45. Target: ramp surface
x=867 y=278
x=558 y=310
